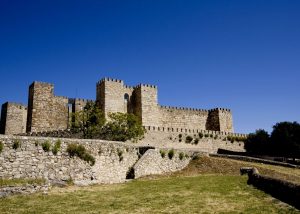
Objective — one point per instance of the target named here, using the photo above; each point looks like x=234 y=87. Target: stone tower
x=46 y=112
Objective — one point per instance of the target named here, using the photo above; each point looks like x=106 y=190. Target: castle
x=47 y=112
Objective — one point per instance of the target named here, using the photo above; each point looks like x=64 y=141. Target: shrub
x=16 y=144
x=196 y=141
x=216 y=137
x=206 y=135
x=171 y=154
x=200 y=135
x=36 y=143
x=180 y=140
x=162 y=153
x=46 y=146
x=120 y=154
x=181 y=155
x=70 y=181
x=211 y=135
x=188 y=139
x=180 y=135
x=56 y=147
x=79 y=151
x=1 y=147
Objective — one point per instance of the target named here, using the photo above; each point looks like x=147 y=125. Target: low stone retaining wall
x=257 y=160
x=24 y=190
x=154 y=162
x=283 y=190
x=25 y=158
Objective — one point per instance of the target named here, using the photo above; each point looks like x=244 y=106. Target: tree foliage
x=122 y=127
x=258 y=142
x=283 y=141
x=119 y=126
x=286 y=139
x=89 y=121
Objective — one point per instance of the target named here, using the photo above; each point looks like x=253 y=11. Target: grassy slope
x=179 y=193
x=223 y=166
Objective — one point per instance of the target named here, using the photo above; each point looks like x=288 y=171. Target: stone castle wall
x=114 y=161
x=208 y=141
x=13 y=118
x=142 y=100
x=46 y=112
x=183 y=117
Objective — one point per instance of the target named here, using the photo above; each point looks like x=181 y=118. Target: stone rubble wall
x=153 y=163
x=23 y=190
x=177 y=118
x=163 y=137
x=114 y=160
x=13 y=118
x=46 y=111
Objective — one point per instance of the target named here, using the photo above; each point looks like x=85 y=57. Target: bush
x=181 y=155
x=216 y=137
x=16 y=144
x=188 y=139
x=162 y=153
x=211 y=135
x=56 y=147
x=1 y=147
x=46 y=146
x=196 y=141
x=79 y=151
x=180 y=135
x=120 y=154
x=200 y=135
x=206 y=135
x=36 y=143
x=171 y=154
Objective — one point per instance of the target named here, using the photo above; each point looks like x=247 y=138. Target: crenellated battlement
x=183 y=109
x=17 y=105
x=73 y=100
x=219 y=109
x=145 y=85
x=192 y=131
x=107 y=79
x=41 y=83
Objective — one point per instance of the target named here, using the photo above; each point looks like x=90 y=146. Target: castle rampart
x=47 y=112
x=13 y=118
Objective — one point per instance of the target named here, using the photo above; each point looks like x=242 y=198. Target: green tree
x=258 y=142
x=285 y=138
x=89 y=121
x=122 y=127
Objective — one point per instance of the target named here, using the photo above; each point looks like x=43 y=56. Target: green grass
x=20 y=182
x=198 y=194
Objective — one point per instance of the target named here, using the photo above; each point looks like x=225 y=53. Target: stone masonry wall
x=163 y=137
x=114 y=160
x=13 y=118
x=153 y=163
x=46 y=112
x=183 y=117
x=111 y=96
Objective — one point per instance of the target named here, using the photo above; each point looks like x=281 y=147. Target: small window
x=126 y=97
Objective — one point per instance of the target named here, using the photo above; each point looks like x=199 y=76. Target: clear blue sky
x=238 y=54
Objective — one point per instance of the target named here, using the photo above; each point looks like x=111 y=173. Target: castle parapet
x=183 y=109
